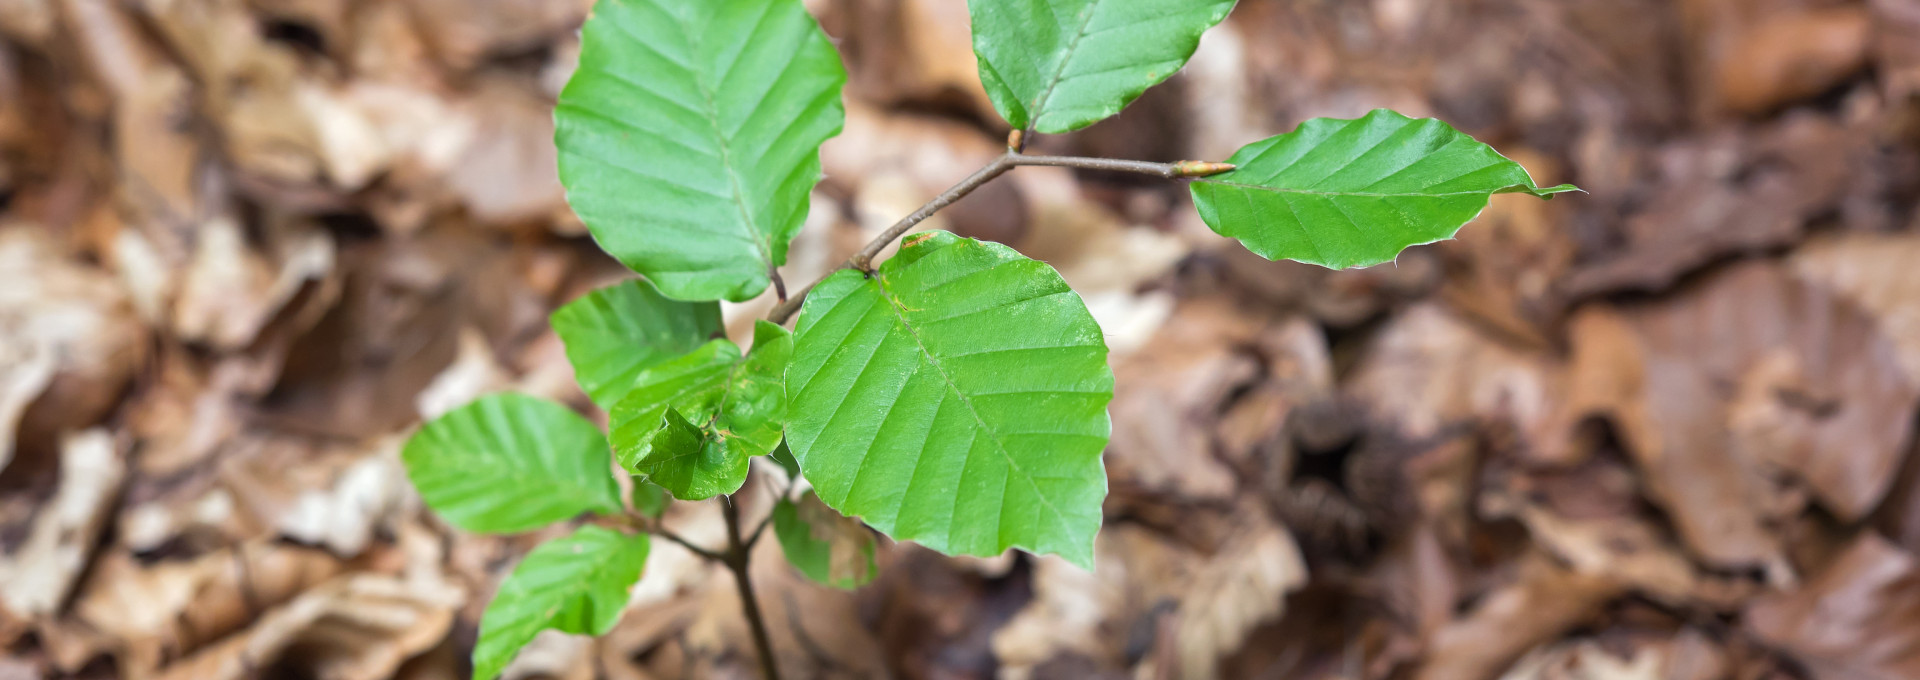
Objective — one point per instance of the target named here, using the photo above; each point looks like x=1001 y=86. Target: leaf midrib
x=720 y=138
x=579 y=587
x=899 y=315
x=554 y=477
x=1059 y=73
x=1359 y=194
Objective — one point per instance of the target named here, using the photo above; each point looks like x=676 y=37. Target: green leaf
x=728 y=407
x=783 y=456
x=690 y=136
x=828 y=547
x=613 y=333
x=649 y=499
x=510 y=462
x=1061 y=65
x=957 y=398
x=1354 y=193
x=577 y=584
x=690 y=462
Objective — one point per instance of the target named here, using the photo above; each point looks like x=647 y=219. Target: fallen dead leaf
x=1428 y=369
x=36 y=579
x=1790 y=56
x=1243 y=586
x=1856 y=619
x=1542 y=603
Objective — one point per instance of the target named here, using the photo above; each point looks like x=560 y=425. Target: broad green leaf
x=1061 y=65
x=649 y=499
x=577 y=583
x=729 y=407
x=613 y=333
x=828 y=547
x=690 y=136
x=957 y=398
x=510 y=462
x=1354 y=193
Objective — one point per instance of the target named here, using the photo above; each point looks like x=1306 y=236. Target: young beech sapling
x=954 y=394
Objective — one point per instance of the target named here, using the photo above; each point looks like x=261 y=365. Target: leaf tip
x=1549 y=192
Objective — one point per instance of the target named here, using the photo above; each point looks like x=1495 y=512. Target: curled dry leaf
x=358 y=627
x=362 y=500
x=1428 y=369
x=1069 y=605
x=1818 y=394
x=1178 y=381
x=1543 y=602
x=230 y=291
x=1586 y=660
x=1875 y=272
x=25 y=370
x=36 y=579
x=166 y=609
x=1792 y=55
x=1243 y=586
x=1858 y=619
x=902 y=52
x=1732 y=193
x=65 y=318
x=462 y=32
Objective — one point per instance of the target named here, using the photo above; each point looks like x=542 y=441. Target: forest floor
x=1662 y=430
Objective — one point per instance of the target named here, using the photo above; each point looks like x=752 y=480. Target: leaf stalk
x=863 y=260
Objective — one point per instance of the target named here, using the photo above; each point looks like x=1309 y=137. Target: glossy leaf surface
x=510 y=462
x=577 y=583
x=613 y=333
x=689 y=136
x=1354 y=193
x=956 y=398
x=1061 y=65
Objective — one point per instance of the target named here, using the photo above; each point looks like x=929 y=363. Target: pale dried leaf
x=36 y=579
x=1246 y=584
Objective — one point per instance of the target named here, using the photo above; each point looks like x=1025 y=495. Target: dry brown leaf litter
x=1659 y=430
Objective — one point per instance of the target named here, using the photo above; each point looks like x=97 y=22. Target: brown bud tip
x=1017 y=140
x=1200 y=168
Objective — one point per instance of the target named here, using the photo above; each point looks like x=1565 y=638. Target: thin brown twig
x=663 y=532
x=863 y=260
x=785 y=493
x=637 y=522
x=736 y=561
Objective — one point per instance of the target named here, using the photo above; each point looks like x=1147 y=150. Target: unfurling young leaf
x=828 y=547
x=957 y=397
x=690 y=136
x=1061 y=65
x=690 y=424
x=577 y=583
x=689 y=462
x=510 y=462
x=1354 y=193
x=613 y=333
